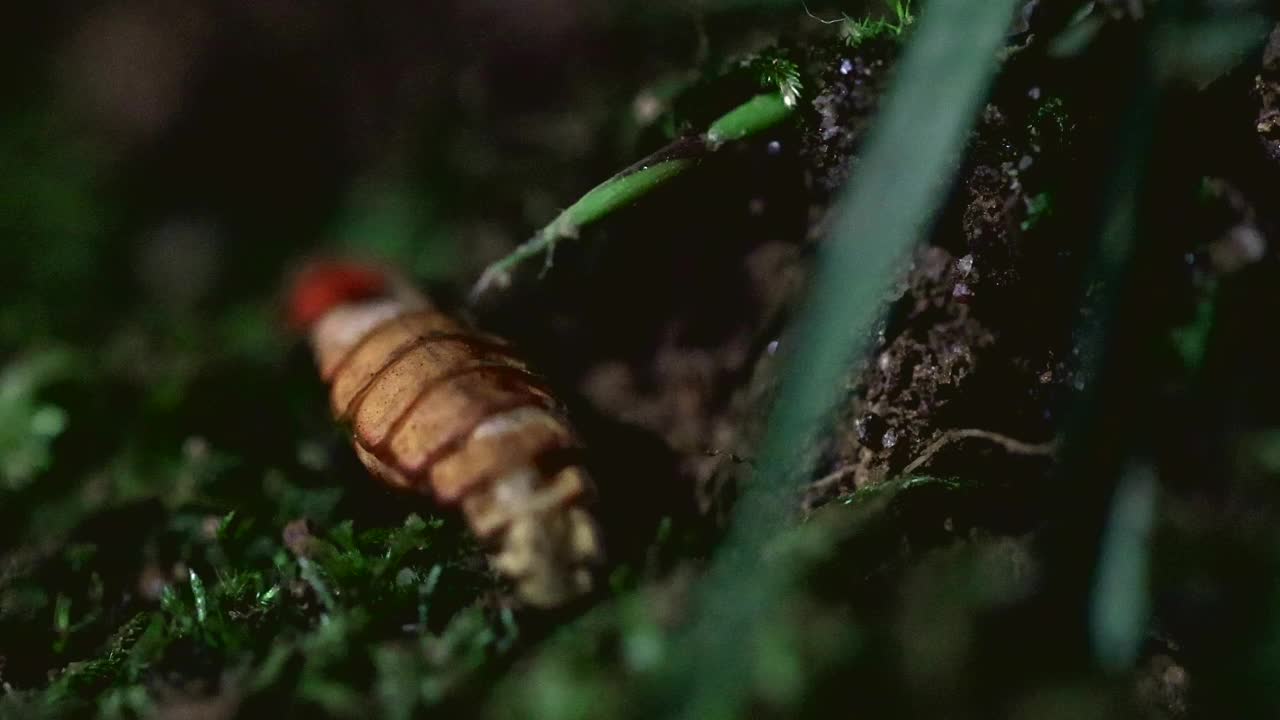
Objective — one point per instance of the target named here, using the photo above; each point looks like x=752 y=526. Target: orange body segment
x=488 y=454
x=447 y=412
x=439 y=409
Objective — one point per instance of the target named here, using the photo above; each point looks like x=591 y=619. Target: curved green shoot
x=751 y=117
x=615 y=193
x=755 y=115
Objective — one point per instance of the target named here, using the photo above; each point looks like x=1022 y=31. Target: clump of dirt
x=847 y=89
x=979 y=336
x=1162 y=688
x=929 y=354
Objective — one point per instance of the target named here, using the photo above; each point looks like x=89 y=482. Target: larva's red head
x=324 y=285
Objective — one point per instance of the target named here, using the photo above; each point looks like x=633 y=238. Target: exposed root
x=1011 y=445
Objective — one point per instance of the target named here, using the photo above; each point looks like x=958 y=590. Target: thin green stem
x=616 y=192
x=755 y=115
x=751 y=117
x=889 y=204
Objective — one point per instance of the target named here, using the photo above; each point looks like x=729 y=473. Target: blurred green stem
x=889 y=204
x=753 y=116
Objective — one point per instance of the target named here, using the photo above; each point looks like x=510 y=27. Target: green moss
x=1039 y=207
x=777 y=73
x=28 y=424
x=1191 y=340
x=309 y=622
x=895 y=21
x=1051 y=121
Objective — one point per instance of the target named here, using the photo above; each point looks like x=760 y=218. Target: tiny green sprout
x=1039 y=206
x=224 y=525
x=778 y=73
x=412 y=535
x=1051 y=120
x=510 y=630
x=433 y=579
x=1191 y=340
x=268 y=597
x=856 y=32
x=756 y=115
x=62 y=614
x=426 y=589
x=201 y=598
x=310 y=574
x=170 y=602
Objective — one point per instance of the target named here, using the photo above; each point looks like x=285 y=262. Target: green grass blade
x=755 y=115
x=899 y=186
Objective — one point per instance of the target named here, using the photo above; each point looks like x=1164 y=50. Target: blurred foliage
x=27 y=426
x=53 y=217
x=305 y=624
x=391 y=222
x=897 y=18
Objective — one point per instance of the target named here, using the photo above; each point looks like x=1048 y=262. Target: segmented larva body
x=438 y=408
